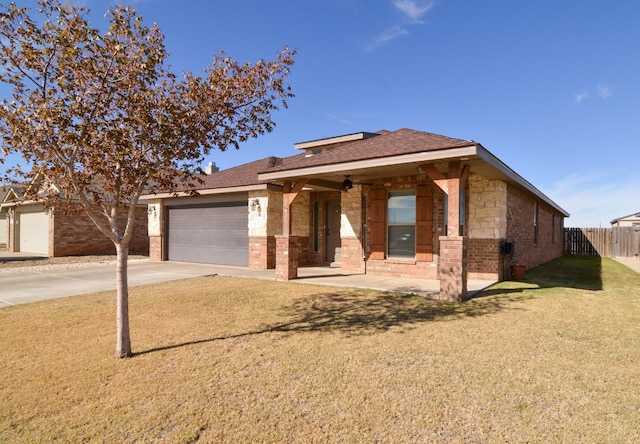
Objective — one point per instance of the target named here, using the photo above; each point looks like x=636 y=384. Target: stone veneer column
x=453 y=268
x=286 y=258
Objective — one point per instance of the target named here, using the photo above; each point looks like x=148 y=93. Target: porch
x=344 y=278
x=339 y=277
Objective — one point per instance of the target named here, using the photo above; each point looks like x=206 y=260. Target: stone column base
x=453 y=268
x=286 y=258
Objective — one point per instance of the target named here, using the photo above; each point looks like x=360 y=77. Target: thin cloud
x=581 y=96
x=413 y=12
x=412 y=9
x=350 y=118
x=341 y=119
x=604 y=91
x=390 y=34
x=594 y=199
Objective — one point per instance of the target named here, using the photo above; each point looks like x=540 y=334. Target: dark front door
x=333 y=231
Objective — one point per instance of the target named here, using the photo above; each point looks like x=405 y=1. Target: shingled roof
x=386 y=144
x=239 y=176
x=406 y=147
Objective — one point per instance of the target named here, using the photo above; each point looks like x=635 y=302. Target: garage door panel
x=216 y=234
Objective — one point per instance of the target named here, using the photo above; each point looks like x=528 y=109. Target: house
x=403 y=203
x=30 y=228
x=632 y=220
x=4 y=227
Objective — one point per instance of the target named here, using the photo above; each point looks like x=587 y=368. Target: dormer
x=315 y=147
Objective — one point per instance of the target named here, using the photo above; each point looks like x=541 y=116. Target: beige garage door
x=34 y=232
x=3 y=230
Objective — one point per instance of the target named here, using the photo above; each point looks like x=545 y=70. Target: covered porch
x=400 y=217
x=338 y=277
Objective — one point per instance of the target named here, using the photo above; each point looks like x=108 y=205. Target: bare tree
x=100 y=115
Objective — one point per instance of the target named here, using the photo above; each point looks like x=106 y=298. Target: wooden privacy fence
x=625 y=241
x=604 y=242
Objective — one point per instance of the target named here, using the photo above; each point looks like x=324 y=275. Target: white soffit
x=206 y=192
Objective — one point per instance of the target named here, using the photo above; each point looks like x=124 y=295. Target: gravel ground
x=52 y=263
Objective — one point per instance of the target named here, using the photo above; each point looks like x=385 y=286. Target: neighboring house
x=30 y=228
x=4 y=226
x=632 y=220
x=403 y=203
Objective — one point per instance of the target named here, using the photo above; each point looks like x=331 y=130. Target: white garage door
x=34 y=232
x=212 y=234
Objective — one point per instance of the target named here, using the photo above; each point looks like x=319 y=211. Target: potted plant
x=517 y=270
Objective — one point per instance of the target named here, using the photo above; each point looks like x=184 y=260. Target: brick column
x=286 y=257
x=155 y=248
x=453 y=268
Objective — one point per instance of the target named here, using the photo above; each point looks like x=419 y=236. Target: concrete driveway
x=22 y=285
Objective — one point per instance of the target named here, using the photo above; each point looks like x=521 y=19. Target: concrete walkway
x=630 y=262
x=22 y=285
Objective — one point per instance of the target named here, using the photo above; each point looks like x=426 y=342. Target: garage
x=33 y=232
x=212 y=234
x=4 y=227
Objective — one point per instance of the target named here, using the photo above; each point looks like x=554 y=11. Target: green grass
x=551 y=359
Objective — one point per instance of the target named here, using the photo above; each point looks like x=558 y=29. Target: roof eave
x=475 y=149
x=212 y=191
x=497 y=164
x=424 y=156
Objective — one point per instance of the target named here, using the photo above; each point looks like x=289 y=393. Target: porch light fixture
x=347 y=184
x=255 y=206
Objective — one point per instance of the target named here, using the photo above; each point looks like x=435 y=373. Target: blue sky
x=551 y=87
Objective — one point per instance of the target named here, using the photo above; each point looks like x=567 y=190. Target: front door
x=333 y=231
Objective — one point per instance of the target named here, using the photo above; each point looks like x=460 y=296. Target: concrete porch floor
x=335 y=276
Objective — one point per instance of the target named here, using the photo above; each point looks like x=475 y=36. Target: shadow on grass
x=358 y=312
x=582 y=273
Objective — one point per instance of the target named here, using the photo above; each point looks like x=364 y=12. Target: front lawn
x=553 y=359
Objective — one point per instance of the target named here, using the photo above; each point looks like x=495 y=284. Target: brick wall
x=262 y=252
x=520 y=229
x=352 y=254
x=453 y=268
x=486 y=226
x=155 y=248
x=402 y=268
x=77 y=235
x=484 y=259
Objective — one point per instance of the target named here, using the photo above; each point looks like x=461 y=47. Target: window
x=535 y=224
x=401 y=224
x=316 y=227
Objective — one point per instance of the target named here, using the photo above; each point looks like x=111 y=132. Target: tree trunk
x=123 y=340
